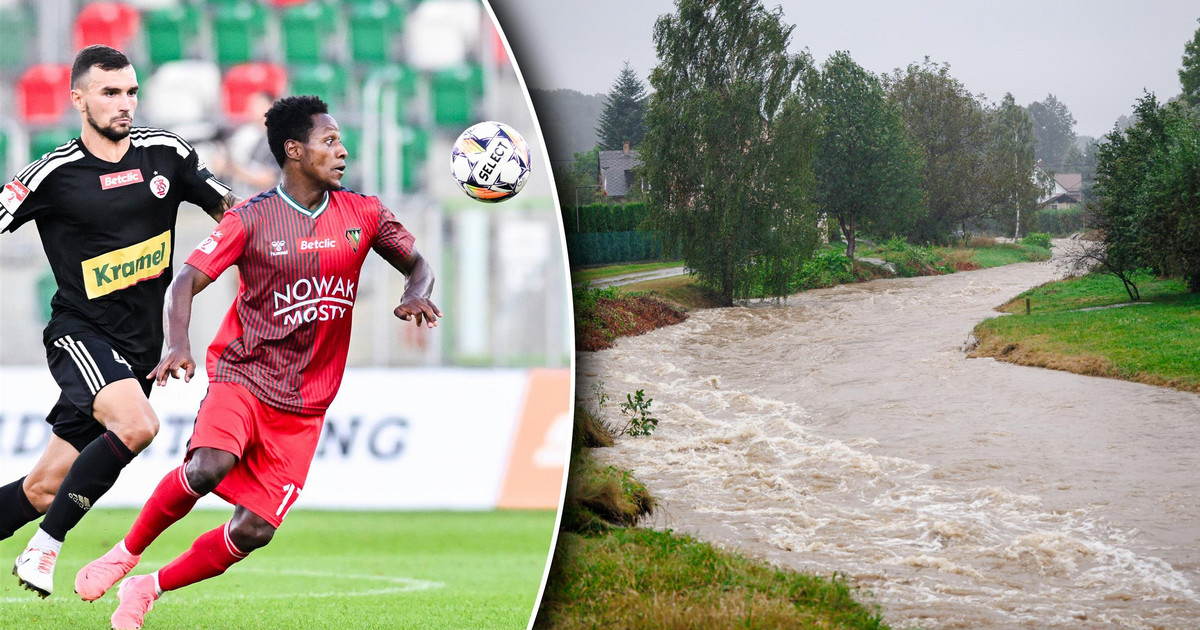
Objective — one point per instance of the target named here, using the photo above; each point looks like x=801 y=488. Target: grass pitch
x=343 y=570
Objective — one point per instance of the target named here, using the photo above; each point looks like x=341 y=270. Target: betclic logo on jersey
x=14 y=193
x=124 y=178
x=127 y=266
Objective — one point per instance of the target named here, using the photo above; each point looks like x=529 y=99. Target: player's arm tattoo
x=228 y=201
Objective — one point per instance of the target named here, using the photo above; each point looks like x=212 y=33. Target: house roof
x=613 y=168
x=1072 y=182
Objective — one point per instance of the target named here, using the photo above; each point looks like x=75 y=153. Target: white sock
x=42 y=540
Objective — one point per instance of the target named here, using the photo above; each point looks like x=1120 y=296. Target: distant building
x=1066 y=193
x=616 y=177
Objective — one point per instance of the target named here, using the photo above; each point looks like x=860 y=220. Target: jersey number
x=287 y=498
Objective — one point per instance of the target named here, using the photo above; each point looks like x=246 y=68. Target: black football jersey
x=109 y=233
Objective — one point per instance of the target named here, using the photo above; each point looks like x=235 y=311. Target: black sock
x=15 y=508
x=92 y=474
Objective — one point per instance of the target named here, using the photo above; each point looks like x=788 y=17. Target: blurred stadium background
x=403 y=78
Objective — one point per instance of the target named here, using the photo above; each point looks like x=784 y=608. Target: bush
x=1037 y=239
x=1059 y=222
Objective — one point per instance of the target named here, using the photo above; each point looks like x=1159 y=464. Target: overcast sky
x=1096 y=56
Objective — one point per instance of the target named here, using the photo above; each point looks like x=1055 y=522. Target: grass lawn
x=1007 y=254
x=596 y=273
x=344 y=570
x=1155 y=341
x=641 y=578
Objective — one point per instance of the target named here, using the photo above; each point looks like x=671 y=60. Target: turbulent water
x=846 y=431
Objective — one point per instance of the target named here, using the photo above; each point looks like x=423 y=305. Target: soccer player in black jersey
x=105 y=205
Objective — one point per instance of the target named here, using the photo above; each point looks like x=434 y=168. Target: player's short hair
x=96 y=55
x=291 y=118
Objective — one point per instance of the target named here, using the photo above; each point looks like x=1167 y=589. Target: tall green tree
x=1170 y=214
x=868 y=170
x=1147 y=194
x=712 y=152
x=624 y=116
x=951 y=127
x=1053 y=130
x=1011 y=166
x=1189 y=73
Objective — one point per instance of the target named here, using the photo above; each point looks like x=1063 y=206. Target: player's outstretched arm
x=418 y=286
x=228 y=201
x=176 y=317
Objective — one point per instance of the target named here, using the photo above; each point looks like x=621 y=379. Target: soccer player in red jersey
x=277 y=360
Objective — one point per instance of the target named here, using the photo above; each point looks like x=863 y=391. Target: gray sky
x=1096 y=56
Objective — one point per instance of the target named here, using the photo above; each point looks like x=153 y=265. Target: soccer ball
x=490 y=161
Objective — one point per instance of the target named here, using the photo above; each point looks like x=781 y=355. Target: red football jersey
x=288 y=332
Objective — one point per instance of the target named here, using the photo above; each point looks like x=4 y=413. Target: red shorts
x=274 y=448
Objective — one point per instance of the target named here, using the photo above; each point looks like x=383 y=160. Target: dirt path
x=845 y=430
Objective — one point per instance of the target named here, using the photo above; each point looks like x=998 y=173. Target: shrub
x=1037 y=239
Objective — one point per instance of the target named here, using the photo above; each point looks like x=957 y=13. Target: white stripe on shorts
x=83 y=361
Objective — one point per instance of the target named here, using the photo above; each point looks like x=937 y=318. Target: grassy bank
x=830 y=267
x=608 y=574
x=1155 y=341
x=580 y=276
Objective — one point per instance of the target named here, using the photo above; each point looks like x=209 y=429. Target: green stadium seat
x=322 y=80
x=454 y=94
x=169 y=32
x=19 y=32
x=47 y=140
x=415 y=153
x=237 y=29
x=305 y=28
x=374 y=26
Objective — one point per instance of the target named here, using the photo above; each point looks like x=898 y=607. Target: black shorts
x=83 y=364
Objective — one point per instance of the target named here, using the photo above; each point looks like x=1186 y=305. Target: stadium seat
x=244 y=80
x=454 y=93
x=109 y=23
x=305 y=29
x=289 y=3
x=373 y=27
x=415 y=152
x=20 y=28
x=322 y=80
x=41 y=93
x=47 y=140
x=183 y=96
x=170 y=31
x=237 y=30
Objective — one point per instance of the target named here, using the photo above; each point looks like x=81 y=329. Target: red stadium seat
x=109 y=23
x=288 y=3
x=42 y=93
x=243 y=81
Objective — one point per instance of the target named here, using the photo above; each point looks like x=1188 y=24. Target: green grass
x=1007 y=254
x=640 y=578
x=1156 y=341
x=1091 y=291
x=343 y=570
x=596 y=273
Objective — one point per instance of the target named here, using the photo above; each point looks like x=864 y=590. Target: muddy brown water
x=846 y=431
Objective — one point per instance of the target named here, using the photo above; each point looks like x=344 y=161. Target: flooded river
x=846 y=431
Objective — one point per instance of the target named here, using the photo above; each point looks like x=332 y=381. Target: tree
x=868 y=171
x=1054 y=130
x=1011 y=165
x=952 y=129
x=1189 y=74
x=624 y=116
x=714 y=140
x=1170 y=216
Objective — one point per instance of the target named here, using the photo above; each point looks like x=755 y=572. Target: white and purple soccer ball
x=490 y=161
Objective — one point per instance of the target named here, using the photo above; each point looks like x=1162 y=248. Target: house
x=1067 y=192
x=616 y=171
